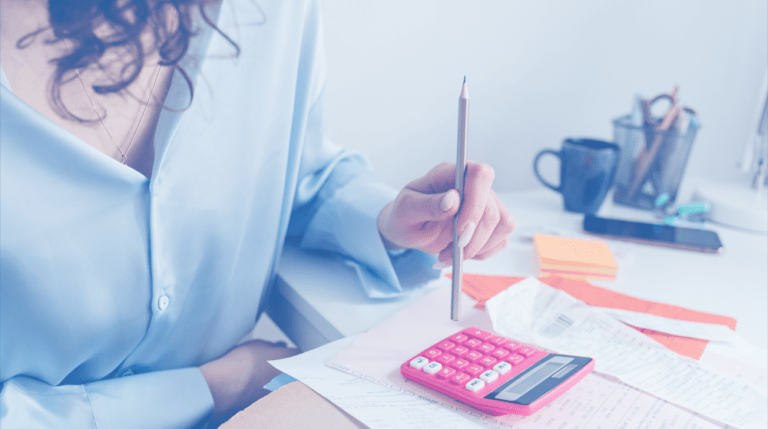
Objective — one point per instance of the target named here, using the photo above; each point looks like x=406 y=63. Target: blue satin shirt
x=115 y=287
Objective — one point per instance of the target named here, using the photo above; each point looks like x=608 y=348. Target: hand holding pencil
x=422 y=215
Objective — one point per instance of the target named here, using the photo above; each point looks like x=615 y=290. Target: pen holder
x=649 y=178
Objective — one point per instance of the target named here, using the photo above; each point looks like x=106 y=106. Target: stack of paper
x=595 y=401
x=533 y=312
x=484 y=287
x=574 y=258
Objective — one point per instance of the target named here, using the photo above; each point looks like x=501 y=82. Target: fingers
x=420 y=221
x=421 y=215
x=495 y=226
x=418 y=207
x=493 y=250
x=440 y=178
x=477 y=189
x=490 y=236
x=445 y=258
x=485 y=228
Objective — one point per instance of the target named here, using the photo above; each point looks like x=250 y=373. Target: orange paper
x=575 y=258
x=483 y=288
x=573 y=252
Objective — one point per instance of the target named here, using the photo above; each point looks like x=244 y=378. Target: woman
x=154 y=157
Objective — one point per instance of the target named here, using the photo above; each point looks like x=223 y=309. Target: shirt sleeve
x=164 y=399
x=338 y=197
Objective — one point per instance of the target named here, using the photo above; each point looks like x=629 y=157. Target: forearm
x=163 y=399
x=237 y=379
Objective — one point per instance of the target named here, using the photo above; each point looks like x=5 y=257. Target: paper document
x=743 y=361
x=484 y=287
x=553 y=319
x=683 y=328
x=594 y=402
x=374 y=405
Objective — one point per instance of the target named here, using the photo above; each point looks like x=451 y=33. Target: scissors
x=653 y=138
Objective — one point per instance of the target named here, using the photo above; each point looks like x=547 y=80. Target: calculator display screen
x=539 y=379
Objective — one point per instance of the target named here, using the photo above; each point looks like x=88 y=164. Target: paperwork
x=594 y=402
x=682 y=328
x=374 y=405
x=534 y=312
x=484 y=287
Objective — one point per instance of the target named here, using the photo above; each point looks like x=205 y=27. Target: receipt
x=534 y=312
x=682 y=328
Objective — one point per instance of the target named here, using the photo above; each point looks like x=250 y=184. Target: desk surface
x=317 y=299
x=292 y=406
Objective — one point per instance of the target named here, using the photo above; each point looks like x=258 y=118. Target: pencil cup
x=645 y=179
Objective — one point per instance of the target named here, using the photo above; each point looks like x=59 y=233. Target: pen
x=461 y=168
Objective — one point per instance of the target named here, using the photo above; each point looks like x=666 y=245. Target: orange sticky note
x=574 y=258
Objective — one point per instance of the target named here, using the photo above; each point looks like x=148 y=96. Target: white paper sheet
x=744 y=361
x=594 y=402
x=376 y=406
x=683 y=328
x=557 y=321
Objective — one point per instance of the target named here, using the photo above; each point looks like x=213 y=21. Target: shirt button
x=162 y=302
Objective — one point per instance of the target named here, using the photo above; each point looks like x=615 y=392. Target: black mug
x=587 y=170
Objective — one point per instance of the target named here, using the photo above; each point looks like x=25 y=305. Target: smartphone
x=659 y=235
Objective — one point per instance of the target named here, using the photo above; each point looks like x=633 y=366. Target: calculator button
x=419 y=362
x=486 y=348
x=445 y=373
x=487 y=361
x=500 y=353
x=460 y=379
x=512 y=346
x=474 y=369
x=459 y=338
x=473 y=343
x=502 y=367
x=475 y=385
x=445 y=346
x=459 y=351
x=473 y=356
x=515 y=359
x=459 y=363
x=498 y=341
x=526 y=351
x=445 y=359
x=489 y=376
x=432 y=353
x=477 y=333
x=432 y=368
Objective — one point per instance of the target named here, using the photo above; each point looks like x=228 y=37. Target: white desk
x=316 y=299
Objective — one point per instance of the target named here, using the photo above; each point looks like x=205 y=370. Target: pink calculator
x=495 y=374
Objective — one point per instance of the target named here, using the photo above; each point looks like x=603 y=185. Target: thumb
x=434 y=207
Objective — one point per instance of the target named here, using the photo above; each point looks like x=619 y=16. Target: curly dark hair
x=94 y=27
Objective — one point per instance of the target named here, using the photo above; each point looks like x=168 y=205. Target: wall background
x=538 y=72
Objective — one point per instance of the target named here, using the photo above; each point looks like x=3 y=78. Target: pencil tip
x=465 y=79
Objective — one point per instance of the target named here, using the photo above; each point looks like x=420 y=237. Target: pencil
x=461 y=169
